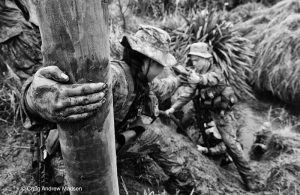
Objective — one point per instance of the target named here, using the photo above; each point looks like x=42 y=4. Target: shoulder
x=120 y=70
x=116 y=67
x=117 y=74
x=121 y=74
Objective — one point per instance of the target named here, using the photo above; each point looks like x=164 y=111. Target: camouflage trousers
x=228 y=126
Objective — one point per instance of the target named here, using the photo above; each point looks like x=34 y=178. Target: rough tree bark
x=75 y=38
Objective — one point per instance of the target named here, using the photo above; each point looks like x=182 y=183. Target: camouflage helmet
x=153 y=42
x=200 y=49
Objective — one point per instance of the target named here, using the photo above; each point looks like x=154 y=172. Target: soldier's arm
x=186 y=95
x=210 y=79
x=218 y=149
x=166 y=87
x=213 y=77
x=213 y=82
x=47 y=99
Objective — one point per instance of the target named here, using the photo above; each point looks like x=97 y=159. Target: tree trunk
x=75 y=38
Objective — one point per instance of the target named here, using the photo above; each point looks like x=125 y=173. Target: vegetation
x=6 y=106
x=231 y=52
x=275 y=33
x=19 y=40
x=252 y=42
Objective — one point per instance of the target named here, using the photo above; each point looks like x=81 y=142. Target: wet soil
x=279 y=168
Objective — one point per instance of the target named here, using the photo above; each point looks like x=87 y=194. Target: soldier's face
x=199 y=63
x=151 y=69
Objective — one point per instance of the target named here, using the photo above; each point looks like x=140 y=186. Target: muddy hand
x=50 y=97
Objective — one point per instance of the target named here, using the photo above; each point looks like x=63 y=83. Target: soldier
x=214 y=99
x=49 y=98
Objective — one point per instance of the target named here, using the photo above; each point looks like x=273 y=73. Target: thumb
x=54 y=73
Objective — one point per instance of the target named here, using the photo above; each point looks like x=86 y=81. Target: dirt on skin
x=279 y=167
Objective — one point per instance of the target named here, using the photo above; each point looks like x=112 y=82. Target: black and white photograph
x=149 y=97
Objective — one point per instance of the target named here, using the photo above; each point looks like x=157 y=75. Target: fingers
x=75 y=110
x=54 y=73
x=78 y=117
x=78 y=113
x=81 y=100
x=84 y=89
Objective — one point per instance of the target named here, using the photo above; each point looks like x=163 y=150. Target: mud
x=15 y=161
x=164 y=160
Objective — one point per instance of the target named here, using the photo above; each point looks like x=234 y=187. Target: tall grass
x=8 y=105
x=276 y=34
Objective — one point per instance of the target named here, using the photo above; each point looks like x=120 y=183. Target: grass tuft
x=275 y=32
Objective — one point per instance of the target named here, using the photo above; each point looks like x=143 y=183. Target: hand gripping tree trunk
x=75 y=38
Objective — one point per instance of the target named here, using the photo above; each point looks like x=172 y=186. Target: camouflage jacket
x=215 y=83
x=123 y=93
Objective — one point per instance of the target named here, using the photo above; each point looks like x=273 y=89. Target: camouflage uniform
x=128 y=102
x=153 y=43
x=123 y=94
x=225 y=122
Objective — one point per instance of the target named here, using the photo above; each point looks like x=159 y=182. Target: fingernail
x=64 y=76
x=103 y=100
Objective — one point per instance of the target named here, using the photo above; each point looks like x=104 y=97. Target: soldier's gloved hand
x=50 y=97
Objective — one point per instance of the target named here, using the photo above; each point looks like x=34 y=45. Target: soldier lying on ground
x=208 y=89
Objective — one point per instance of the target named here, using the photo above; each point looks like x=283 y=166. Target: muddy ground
x=279 y=167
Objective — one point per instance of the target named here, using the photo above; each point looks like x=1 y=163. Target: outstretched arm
x=187 y=93
x=166 y=87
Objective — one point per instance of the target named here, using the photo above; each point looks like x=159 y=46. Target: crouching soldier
x=214 y=99
x=48 y=97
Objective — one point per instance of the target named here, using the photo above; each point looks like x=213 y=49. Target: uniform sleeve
x=165 y=88
x=186 y=94
x=218 y=149
x=120 y=92
x=116 y=74
x=214 y=82
x=119 y=86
